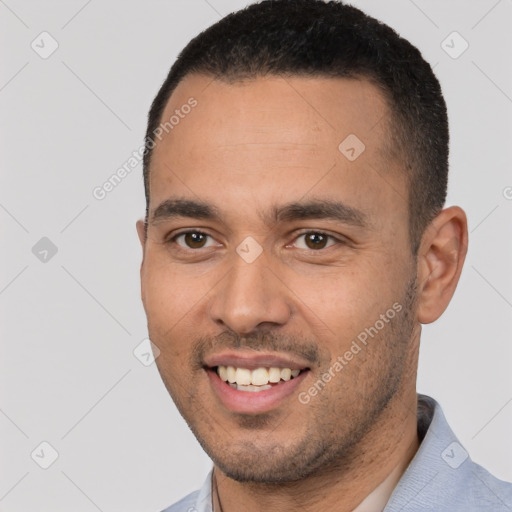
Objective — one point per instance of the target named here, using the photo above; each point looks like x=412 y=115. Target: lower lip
x=253 y=402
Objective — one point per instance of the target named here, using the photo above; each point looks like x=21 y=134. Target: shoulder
x=485 y=490
x=186 y=504
x=442 y=477
x=468 y=488
x=197 y=501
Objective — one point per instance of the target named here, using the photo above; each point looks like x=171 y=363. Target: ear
x=441 y=256
x=141 y=231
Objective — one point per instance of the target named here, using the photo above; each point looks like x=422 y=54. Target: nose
x=250 y=297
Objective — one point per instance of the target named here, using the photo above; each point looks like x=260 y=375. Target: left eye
x=193 y=240
x=314 y=240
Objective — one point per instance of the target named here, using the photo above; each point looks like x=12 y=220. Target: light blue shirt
x=440 y=478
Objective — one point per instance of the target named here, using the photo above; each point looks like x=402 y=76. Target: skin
x=246 y=148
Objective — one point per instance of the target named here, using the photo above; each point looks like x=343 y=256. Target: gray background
x=70 y=323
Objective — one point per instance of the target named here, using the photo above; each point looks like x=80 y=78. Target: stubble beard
x=328 y=444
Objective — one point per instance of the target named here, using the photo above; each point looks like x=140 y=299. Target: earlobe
x=440 y=260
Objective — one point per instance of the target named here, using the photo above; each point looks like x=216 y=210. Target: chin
x=275 y=461
x=270 y=472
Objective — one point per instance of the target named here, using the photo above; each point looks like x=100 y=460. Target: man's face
x=295 y=250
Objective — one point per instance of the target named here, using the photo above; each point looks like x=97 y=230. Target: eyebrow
x=313 y=209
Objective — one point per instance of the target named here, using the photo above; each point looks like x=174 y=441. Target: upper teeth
x=258 y=377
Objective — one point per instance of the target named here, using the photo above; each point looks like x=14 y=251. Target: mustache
x=259 y=342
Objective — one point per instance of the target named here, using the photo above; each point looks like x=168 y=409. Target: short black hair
x=330 y=39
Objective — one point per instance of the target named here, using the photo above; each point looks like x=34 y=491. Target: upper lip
x=253 y=360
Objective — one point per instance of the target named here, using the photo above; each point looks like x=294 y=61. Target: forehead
x=308 y=108
x=273 y=136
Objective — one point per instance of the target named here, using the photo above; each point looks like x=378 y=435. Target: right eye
x=192 y=240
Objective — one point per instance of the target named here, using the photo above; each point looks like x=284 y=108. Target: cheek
x=171 y=301
x=340 y=304
x=171 y=292
x=342 y=299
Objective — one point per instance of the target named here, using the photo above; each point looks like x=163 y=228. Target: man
x=294 y=242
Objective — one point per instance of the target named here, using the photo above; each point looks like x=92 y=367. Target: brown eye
x=192 y=240
x=314 y=240
x=195 y=240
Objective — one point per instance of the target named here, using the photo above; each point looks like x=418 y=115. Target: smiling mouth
x=257 y=379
